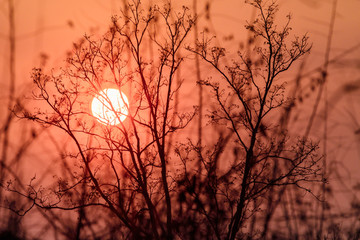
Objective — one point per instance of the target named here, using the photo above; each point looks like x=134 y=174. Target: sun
x=110 y=106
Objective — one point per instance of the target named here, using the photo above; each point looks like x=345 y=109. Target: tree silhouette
x=133 y=179
x=11 y=154
x=248 y=96
x=152 y=187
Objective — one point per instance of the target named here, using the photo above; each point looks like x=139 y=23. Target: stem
x=6 y=126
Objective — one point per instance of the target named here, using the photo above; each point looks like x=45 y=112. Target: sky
x=50 y=27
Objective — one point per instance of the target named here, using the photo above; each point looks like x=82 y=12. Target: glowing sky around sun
x=47 y=29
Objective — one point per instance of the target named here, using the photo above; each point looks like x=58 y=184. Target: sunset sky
x=46 y=30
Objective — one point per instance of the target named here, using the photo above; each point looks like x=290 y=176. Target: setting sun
x=165 y=119
x=110 y=106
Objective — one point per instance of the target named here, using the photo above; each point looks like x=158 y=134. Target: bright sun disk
x=110 y=106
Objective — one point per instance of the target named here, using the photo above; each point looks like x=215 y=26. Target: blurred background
x=41 y=33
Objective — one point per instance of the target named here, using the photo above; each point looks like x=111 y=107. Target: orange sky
x=50 y=27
